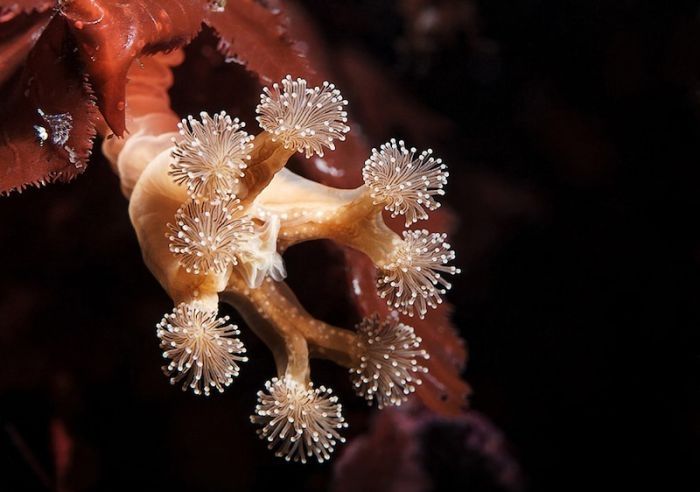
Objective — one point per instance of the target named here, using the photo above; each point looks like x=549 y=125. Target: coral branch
x=214 y=209
x=275 y=304
x=267 y=158
x=310 y=211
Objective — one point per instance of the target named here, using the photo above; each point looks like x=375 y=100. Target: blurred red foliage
x=49 y=81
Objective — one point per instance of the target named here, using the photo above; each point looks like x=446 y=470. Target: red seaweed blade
x=50 y=83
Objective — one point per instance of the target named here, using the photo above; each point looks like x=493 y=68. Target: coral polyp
x=412 y=280
x=208 y=235
x=299 y=421
x=389 y=367
x=404 y=183
x=203 y=349
x=305 y=119
x=237 y=209
x=211 y=157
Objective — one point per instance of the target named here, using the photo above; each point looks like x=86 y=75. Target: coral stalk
x=214 y=209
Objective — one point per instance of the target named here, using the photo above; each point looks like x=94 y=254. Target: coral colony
x=214 y=209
